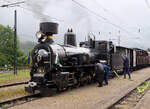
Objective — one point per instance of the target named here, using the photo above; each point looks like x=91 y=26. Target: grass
x=12 y=93
x=22 y=75
x=15 y=91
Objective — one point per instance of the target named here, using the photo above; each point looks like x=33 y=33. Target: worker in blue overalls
x=126 y=67
x=106 y=74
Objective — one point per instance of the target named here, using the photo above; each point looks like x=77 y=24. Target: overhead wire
x=84 y=8
x=29 y=10
x=105 y=19
x=12 y=4
x=89 y=10
x=116 y=17
x=147 y=3
x=106 y=10
x=110 y=22
x=100 y=5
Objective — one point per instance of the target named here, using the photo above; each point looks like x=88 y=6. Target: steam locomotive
x=58 y=67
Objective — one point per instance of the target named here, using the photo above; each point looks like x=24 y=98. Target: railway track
x=17 y=101
x=13 y=84
x=130 y=99
x=28 y=98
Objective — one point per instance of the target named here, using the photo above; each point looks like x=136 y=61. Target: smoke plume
x=38 y=7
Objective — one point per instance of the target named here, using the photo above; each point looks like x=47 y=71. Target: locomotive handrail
x=79 y=66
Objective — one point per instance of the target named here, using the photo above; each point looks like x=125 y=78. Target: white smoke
x=68 y=13
x=38 y=7
x=73 y=16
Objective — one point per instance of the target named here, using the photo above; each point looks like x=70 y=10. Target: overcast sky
x=84 y=16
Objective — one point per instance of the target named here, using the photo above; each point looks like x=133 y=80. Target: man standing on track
x=126 y=67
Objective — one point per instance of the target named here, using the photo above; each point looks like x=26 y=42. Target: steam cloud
x=73 y=16
x=38 y=7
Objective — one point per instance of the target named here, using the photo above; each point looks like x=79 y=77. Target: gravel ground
x=89 y=97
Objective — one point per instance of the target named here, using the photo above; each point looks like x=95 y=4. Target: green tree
x=7 y=46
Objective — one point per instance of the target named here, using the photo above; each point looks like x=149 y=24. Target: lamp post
x=15 y=42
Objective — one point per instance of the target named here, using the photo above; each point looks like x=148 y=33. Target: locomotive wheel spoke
x=76 y=84
x=84 y=82
x=89 y=80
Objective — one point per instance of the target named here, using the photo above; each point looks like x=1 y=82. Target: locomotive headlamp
x=38 y=35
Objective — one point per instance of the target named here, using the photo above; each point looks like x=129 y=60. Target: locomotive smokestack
x=48 y=29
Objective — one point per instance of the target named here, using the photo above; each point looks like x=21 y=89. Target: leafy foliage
x=7 y=47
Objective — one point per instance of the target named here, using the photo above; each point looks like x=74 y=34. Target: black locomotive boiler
x=57 y=66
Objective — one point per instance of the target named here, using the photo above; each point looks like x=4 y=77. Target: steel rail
x=13 y=84
x=19 y=100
